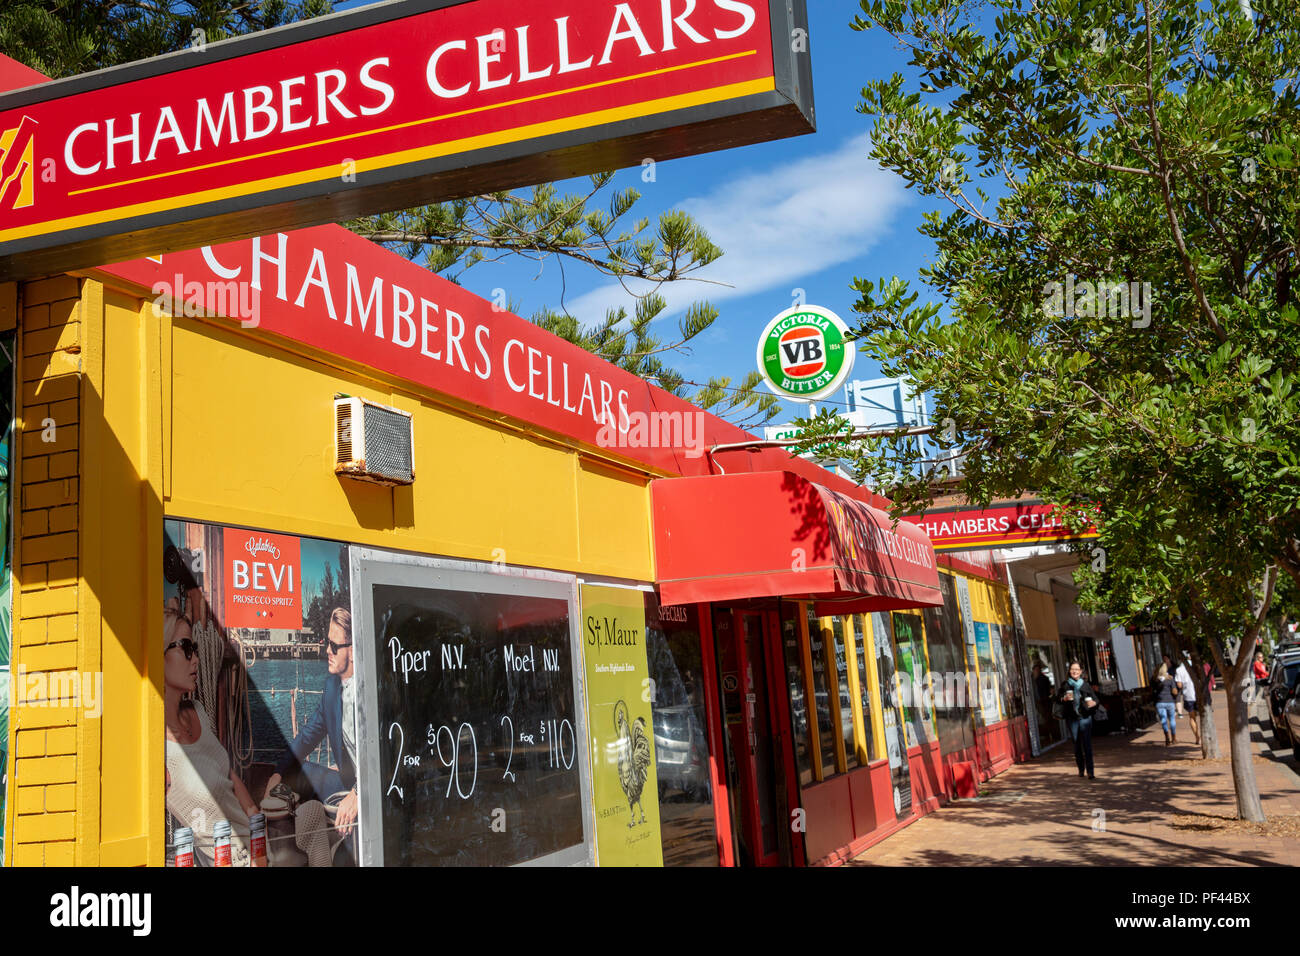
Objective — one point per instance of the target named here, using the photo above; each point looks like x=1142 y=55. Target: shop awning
x=766 y=534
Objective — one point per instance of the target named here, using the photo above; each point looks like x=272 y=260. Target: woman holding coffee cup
x=1076 y=702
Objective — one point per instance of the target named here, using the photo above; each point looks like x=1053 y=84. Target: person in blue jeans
x=1166 y=695
x=1075 y=702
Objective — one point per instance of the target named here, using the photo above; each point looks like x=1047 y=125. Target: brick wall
x=48 y=382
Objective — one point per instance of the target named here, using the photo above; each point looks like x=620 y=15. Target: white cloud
x=778 y=226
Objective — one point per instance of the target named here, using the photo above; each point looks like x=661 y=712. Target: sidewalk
x=1150 y=806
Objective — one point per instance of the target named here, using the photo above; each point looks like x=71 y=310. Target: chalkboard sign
x=475 y=739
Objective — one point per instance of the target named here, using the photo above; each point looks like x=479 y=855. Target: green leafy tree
x=1073 y=147
x=65 y=37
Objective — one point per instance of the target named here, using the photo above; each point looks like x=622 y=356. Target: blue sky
x=807 y=213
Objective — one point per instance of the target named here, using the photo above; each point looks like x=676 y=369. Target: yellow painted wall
x=53 y=749
x=201 y=420
x=252 y=444
x=1039 y=610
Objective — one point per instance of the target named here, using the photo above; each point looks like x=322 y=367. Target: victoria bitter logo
x=804 y=353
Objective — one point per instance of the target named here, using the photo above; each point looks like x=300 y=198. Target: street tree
x=1116 y=245
x=66 y=37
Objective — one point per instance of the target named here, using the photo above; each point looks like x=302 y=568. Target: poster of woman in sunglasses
x=260 y=696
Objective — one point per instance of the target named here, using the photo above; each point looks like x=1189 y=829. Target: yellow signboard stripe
x=566 y=124
x=983 y=543
x=420 y=122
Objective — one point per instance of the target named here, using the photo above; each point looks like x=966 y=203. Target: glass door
x=753 y=769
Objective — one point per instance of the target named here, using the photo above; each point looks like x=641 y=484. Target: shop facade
x=1058 y=632
x=184 y=533
x=848 y=718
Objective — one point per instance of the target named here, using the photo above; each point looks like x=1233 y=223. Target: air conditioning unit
x=373 y=442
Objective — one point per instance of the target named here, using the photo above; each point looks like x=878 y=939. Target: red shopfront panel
x=861 y=789
x=829 y=817
x=882 y=793
x=928 y=783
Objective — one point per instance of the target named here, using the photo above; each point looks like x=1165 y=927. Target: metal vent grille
x=388 y=444
x=343 y=432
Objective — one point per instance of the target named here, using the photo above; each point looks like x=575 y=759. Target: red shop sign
x=383 y=107
x=263 y=579
x=1023 y=523
x=328 y=288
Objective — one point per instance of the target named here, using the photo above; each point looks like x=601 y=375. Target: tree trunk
x=1242 y=749
x=1209 y=734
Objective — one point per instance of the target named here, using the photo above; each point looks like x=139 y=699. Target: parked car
x=681 y=752
x=1287 y=646
x=1281 y=686
x=1291 y=719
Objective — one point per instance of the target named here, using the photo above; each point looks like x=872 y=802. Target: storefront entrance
x=756 y=736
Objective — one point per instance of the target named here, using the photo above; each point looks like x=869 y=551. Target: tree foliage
x=1077 y=146
x=65 y=37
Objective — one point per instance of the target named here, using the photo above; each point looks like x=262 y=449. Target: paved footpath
x=1161 y=805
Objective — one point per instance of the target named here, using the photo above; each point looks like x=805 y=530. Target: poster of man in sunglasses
x=259 y=694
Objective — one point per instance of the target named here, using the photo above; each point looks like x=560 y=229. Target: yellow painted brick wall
x=43 y=820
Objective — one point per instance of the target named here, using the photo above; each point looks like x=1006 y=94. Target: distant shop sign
x=804 y=353
x=1021 y=524
x=384 y=107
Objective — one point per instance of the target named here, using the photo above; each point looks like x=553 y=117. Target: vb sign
x=804 y=353
x=388 y=106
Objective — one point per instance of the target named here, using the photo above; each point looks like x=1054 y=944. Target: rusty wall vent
x=373 y=442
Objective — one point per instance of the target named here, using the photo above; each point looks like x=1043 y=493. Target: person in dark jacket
x=1076 y=701
x=334 y=720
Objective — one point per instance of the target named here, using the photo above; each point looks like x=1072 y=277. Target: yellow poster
x=625 y=788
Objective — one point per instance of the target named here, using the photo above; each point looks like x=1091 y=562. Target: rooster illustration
x=633 y=759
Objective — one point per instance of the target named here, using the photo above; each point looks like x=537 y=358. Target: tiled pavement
x=1042 y=813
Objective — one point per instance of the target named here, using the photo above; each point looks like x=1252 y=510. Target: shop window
x=258 y=715
x=477 y=674
x=800 y=724
x=823 y=696
x=892 y=712
x=1014 y=663
x=681 y=735
x=1080 y=649
x=1008 y=678
x=864 y=687
x=843 y=692
x=1104 y=658
x=1044 y=676
x=913 y=679
x=988 y=673
x=946 y=642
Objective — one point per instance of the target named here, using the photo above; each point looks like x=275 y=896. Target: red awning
x=766 y=534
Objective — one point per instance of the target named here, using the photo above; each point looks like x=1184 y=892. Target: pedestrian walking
x=1075 y=701
x=1259 y=670
x=1166 y=695
x=1183 y=678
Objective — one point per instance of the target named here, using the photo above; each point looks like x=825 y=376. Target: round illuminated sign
x=804 y=354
